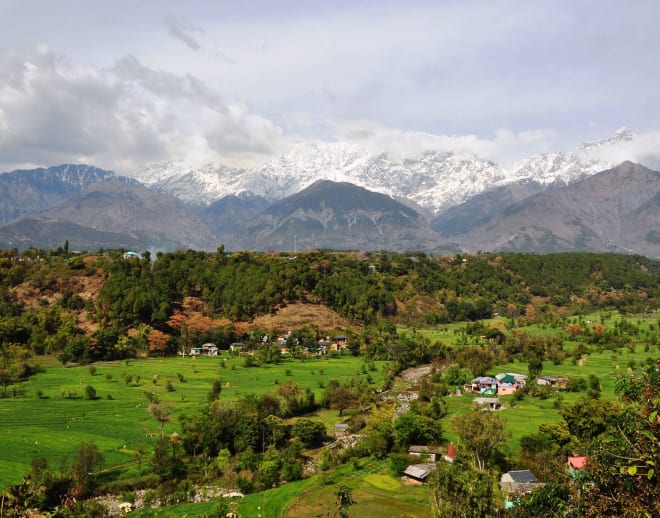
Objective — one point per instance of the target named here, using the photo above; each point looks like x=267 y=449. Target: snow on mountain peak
x=621 y=135
x=434 y=180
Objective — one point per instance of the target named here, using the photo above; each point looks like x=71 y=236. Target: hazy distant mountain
x=156 y=219
x=46 y=233
x=482 y=208
x=616 y=210
x=337 y=215
x=29 y=191
x=229 y=214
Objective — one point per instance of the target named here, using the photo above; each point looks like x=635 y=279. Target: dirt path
x=406 y=387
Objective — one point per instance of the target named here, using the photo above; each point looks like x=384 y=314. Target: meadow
x=524 y=417
x=51 y=413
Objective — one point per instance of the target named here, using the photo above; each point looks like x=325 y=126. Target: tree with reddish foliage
x=157 y=341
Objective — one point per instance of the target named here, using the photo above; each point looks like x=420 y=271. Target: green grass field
x=375 y=492
x=525 y=417
x=52 y=425
x=51 y=415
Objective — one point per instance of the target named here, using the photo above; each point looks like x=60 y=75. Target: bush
x=311 y=433
x=90 y=392
x=292 y=471
x=244 y=485
x=398 y=464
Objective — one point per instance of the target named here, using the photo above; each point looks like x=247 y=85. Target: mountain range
x=338 y=196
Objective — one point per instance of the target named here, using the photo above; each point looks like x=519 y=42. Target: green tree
x=482 y=434
x=340 y=397
x=87 y=459
x=588 y=418
x=412 y=428
x=459 y=490
x=622 y=471
x=310 y=432
x=13 y=364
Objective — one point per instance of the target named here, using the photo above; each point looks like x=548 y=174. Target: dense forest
x=196 y=297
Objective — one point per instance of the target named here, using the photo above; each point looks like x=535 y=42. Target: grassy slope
x=526 y=416
x=375 y=492
x=51 y=427
x=111 y=424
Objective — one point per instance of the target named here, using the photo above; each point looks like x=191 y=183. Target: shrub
x=311 y=433
x=292 y=471
x=90 y=392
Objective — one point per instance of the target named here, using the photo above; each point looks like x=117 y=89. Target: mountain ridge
x=433 y=180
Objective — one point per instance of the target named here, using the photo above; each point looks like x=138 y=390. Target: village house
x=575 y=464
x=509 y=383
x=451 y=453
x=428 y=452
x=517 y=483
x=237 y=347
x=341 y=429
x=552 y=381
x=209 y=349
x=419 y=473
x=320 y=348
x=482 y=385
x=339 y=343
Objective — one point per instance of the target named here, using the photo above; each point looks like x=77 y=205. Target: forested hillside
x=192 y=297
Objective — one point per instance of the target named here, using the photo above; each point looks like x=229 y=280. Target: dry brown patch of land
x=86 y=287
x=292 y=316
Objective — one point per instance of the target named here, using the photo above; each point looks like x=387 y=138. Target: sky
x=122 y=83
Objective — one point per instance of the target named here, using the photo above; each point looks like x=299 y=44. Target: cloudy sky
x=120 y=83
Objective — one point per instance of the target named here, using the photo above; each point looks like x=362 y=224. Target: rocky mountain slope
x=434 y=180
x=337 y=215
x=29 y=191
x=111 y=213
x=335 y=195
x=617 y=210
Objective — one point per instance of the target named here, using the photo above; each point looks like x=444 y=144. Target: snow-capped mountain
x=26 y=191
x=549 y=168
x=434 y=180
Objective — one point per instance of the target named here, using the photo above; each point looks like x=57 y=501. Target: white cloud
x=52 y=111
x=504 y=146
x=643 y=148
